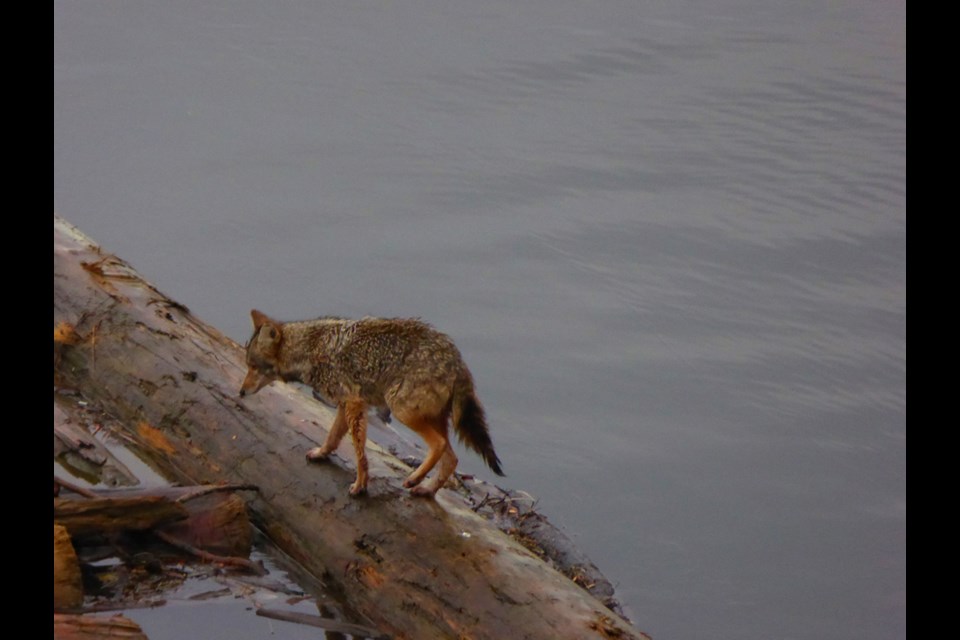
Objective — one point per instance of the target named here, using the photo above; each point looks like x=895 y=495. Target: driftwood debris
x=67 y=626
x=410 y=567
x=113 y=515
x=67 y=580
x=355 y=630
x=81 y=452
x=143 y=527
x=209 y=522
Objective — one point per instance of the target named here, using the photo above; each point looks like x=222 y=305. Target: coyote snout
x=397 y=364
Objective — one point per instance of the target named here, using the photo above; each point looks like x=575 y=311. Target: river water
x=669 y=238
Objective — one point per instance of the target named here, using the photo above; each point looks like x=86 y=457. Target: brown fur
x=400 y=364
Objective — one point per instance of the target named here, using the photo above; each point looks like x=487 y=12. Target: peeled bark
x=411 y=567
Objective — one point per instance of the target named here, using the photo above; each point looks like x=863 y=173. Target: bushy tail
x=470 y=422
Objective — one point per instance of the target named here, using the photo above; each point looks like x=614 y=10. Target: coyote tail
x=470 y=421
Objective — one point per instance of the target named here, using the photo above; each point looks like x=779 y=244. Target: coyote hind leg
x=434 y=434
x=448 y=463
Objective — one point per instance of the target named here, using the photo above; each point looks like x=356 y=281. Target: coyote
x=399 y=365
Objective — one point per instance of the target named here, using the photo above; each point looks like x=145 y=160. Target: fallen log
x=413 y=568
x=87 y=516
x=208 y=521
x=68 y=626
x=218 y=525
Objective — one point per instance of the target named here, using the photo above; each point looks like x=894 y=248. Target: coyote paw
x=357 y=489
x=423 y=491
x=411 y=481
x=317 y=453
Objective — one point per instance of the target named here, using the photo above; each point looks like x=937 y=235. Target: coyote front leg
x=351 y=415
x=356 y=415
x=337 y=430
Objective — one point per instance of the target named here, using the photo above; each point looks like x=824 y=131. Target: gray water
x=669 y=238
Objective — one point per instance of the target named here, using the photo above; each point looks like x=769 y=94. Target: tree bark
x=411 y=567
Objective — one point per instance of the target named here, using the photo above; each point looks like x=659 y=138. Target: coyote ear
x=259 y=319
x=268 y=330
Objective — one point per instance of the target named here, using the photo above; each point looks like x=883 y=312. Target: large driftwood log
x=414 y=568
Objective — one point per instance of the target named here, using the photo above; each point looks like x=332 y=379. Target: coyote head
x=263 y=350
